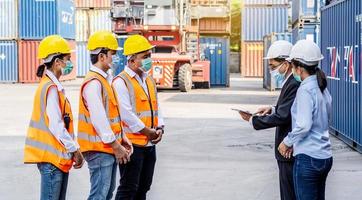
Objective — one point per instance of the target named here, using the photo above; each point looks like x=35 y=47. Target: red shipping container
x=93 y=3
x=252 y=59
x=29 y=62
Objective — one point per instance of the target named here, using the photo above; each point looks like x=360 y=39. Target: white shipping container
x=8 y=19
x=99 y=20
x=82 y=27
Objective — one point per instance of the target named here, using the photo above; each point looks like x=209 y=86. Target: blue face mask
x=115 y=61
x=279 y=78
x=68 y=68
x=296 y=76
x=146 y=64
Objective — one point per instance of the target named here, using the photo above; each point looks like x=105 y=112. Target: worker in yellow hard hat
x=50 y=139
x=141 y=116
x=100 y=133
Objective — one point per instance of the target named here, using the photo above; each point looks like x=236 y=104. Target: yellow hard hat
x=103 y=39
x=136 y=44
x=51 y=45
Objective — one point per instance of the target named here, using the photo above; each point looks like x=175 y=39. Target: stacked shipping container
x=23 y=24
x=342 y=52
x=212 y=17
x=91 y=16
x=259 y=18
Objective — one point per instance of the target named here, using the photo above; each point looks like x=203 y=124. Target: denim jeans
x=310 y=175
x=136 y=176
x=54 y=182
x=102 y=169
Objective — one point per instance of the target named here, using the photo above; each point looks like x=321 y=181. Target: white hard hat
x=306 y=52
x=279 y=49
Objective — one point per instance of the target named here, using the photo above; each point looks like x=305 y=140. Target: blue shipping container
x=260 y=21
x=217 y=51
x=122 y=62
x=308 y=32
x=40 y=18
x=342 y=52
x=83 y=59
x=305 y=9
x=269 y=82
x=8 y=61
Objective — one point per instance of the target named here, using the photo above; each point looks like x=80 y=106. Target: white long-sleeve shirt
x=123 y=97
x=56 y=123
x=92 y=94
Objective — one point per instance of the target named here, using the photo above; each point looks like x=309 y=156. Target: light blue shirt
x=311 y=112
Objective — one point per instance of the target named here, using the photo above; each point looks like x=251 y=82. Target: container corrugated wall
x=217 y=51
x=38 y=19
x=28 y=62
x=252 y=59
x=99 y=20
x=82 y=25
x=93 y=3
x=213 y=25
x=83 y=59
x=342 y=52
x=8 y=19
x=122 y=62
x=269 y=82
x=304 y=8
x=260 y=21
x=8 y=61
x=266 y=2
x=309 y=32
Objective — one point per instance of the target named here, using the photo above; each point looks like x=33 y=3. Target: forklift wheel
x=185 y=77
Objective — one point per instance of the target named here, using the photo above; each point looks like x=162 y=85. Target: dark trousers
x=286 y=183
x=310 y=175
x=136 y=176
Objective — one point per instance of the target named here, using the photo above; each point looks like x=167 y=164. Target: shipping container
x=265 y=2
x=38 y=19
x=210 y=12
x=305 y=9
x=8 y=61
x=217 y=51
x=260 y=21
x=8 y=19
x=122 y=61
x=160 y=16
x=251 y=59
x=83 y=59
x=81 y=25
x=210 y=2
x=269 y=82
x=213 y=25
x=99 y=20
x=93 y=3
x=308 y=32
x=29 y=62
x=342 y=52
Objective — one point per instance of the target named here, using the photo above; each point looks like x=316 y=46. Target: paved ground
x=207 y=153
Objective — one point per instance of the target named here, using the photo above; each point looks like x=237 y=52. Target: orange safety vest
x=88 y=138
x=143 y=105
x=41 y=146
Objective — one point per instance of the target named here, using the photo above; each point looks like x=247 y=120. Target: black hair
x=94 y=57
x=314 y=70
x=41 y=68
x=279 y=59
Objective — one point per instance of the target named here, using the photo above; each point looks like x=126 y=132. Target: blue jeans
x=54 y=182
x=310 y=175
x=102 y=169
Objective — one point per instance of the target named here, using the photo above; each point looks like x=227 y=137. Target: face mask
x=279 y=78
x=296 y=77
x=68 y=68
x=146 y=65
x=115 y=61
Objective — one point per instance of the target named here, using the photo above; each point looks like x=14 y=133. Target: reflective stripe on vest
x=41 y=145
x=88 y=139
x=146 y=112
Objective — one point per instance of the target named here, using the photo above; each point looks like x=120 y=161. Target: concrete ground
x=208 y=152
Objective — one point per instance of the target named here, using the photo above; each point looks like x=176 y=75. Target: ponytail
x=41 y=68
x=40 y=71
x=321 y=78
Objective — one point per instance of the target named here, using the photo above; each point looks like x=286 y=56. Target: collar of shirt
x=133 y=74
x=99 y=71
x=309 y=79
x=286 y=79
x=55 y=80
